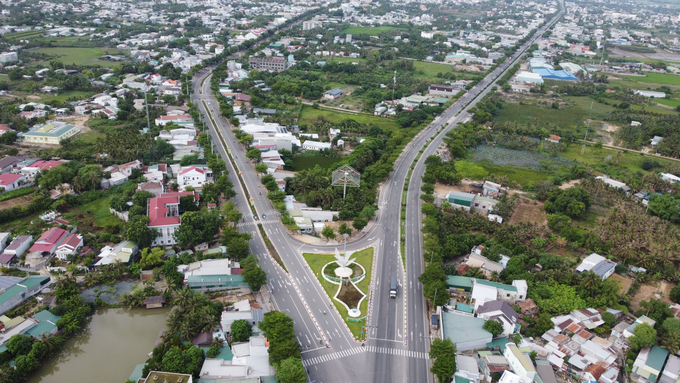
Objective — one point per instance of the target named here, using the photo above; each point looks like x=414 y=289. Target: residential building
x=70 y=246
x=491 y=364
x=47 y=324
x=22 y=291
x=614 y=184
x=650 y=93
x=528 y=307
x=163 y=212
x=648 y=365
x=509 y=377
x=519 y=361
x=4 y=238
x=10 y=182
x=166 y=377
x=195 y=176
x=48 y=241
x=630 y=330
x=501 y=312
x=36 y=166
x=487 y=266
x=215 y=282
x=467 y=368
x=492 y=189
x=240 y=310
x=49 y=133
x=466 y=331
x=123 y=252
x=18 y=246
x=671 y=373
x=545 y=371
x=8 y=163
x=272 y=64
x=19 y=329
x=598 y=264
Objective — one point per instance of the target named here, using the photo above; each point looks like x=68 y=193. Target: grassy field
x=91 y=137
x=479 y=171
x=308 y=160
x=93 y=216
x=63 y=97
x=657 y=78
x=431 y=69
x=565 y=117
x=345 y=60
x=363 y=257
x=309 y=114
x=369 y=30
x=79 y=56
x=674 y=102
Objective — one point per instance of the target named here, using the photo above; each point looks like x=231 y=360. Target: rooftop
x=167 y=377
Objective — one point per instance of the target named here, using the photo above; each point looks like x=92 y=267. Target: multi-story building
x=272 y=64
x=164 y=217
x=49 y=133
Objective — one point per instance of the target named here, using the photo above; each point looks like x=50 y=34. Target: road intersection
x=397 y=329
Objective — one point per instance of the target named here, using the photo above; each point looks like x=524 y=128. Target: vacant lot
x=528 y=211
x=67 y=96
x=647 y=292
x=569 y=116
x=308 y=160
x=19 y=201
x=79 y=56
x=309 y=114
x=657 y=78
x=625 y=282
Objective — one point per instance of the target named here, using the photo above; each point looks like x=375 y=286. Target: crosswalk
x=253 y=223
x=359 y=350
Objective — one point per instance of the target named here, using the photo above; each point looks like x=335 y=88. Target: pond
x=111 y=344
x=308 y=160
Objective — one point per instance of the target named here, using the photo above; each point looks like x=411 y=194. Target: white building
x=69 y=246
x=6 y=57
x=519 y=362
x=670 y=178
x=501 y=312
x=195 y=176
x=163 y=212
x=12 y=181
x=529 y=78
x=315 y=145
x=597 y=264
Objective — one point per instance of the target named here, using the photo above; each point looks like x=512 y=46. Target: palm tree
x=591 y=281
x=495 y=276
x=49 y=343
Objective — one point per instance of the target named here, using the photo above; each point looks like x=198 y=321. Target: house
x=460 y=199
x=123 y=252
x=491 y=364
x=169 y=377
x=126 y=169
x=650 y=93
x=36 y=166
x=19 y=329
x=4 y=237
x=10 y=182
x=648 y=365
x=671 y=373
x=492 y=189
x=49 y=133
x=630 y=330
x=598 y=264
x=163 y=213
x=195 y=176
x=203 y=339
x=240 y=310
x=528 y=307
x=154 y=302
x=554 y=139
x=501 y=312
x=487 y=266
x=204 y=283
x=519 y=361
x=47 y=324
x=509 y=377
x=22 y=291
x=333 y=94
x=48 y=241
x=466 y=331
x=484 y=205
x=69 y=246
x=8 y=163
x=18 y=246
x=467 y=368
x=670 y=178
x=545 y=371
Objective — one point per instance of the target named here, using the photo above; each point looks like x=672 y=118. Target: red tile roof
x=49 y=240
x=187 y=170
x=6 y=179
x=158 y=211
x=46 y=165
x=73 y=241
x=554 y=137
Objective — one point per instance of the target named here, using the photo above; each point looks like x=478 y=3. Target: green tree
x=328 y=232
x=254 y=154
x=26 y=363
x=655 y=309
x=230 y=213
x=253 y=274
x=20 y=344
x=261 y=168
x=493 y=327
x=608 y=318
x=197 y=227
x=359 y=223
x=291 y=370
x=443 y=351
x=278 y=328
x=151 y=258
x=139 y=232
x=345 y=229
x=645 y=335
x=240 y=330
x=174 y=361
x=142 y=197
x=670 y=338
x=238 y=247
x=675 y=294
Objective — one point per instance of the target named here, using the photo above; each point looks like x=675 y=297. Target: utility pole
x=583 y=148
x=394 y=84
x=146 y=101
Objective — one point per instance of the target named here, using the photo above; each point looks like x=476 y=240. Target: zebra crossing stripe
x=358 y=350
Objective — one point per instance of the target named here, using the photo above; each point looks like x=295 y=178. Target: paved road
x=397 y=344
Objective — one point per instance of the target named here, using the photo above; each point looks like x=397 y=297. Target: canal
x=112 y=343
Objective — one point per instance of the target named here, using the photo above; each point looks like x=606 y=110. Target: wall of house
x=166 y=236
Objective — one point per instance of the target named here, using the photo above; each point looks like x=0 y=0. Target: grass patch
x=524 y=177
x=656 y=78
x=565 y=117
x=308 y=160
x=431 y=69
x=369 y=30
x=93 y=216
x=64 y=97
x=672 y=102
x=345 y=60
x=363 y=257
x=79 y=56
x=472 y=170
x=308 y=115
x=90 y=138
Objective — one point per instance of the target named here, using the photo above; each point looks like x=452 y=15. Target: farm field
x=308 y=160
x=478 y=171
x=673 y=102
x=309 y=114
x=63 y=97
x=657 y=78
x=79 y=56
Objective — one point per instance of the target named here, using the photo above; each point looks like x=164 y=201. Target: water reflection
x=112 y=343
